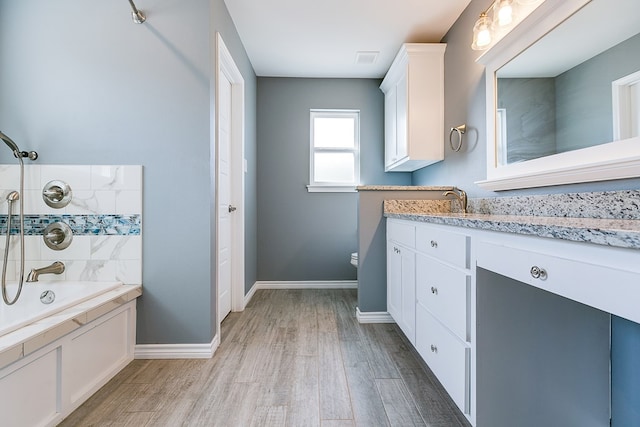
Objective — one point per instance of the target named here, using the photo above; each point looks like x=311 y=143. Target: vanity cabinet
x=510 y=321
x=429 y=283
x=414 y=107
x=401 y=287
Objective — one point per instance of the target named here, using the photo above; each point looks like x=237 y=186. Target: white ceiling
x=305 y=38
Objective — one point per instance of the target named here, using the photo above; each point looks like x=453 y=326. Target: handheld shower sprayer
x=14 y=148
x=11 y=198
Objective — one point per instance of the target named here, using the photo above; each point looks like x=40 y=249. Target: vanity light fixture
x=504 y=15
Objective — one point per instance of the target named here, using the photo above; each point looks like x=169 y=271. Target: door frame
x=226 y=65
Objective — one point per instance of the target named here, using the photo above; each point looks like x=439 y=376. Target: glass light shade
x=529 y=1
x=482 y=33
x=503 y=15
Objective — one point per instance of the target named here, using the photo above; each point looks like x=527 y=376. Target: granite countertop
x=623 y=233
x=403 y=188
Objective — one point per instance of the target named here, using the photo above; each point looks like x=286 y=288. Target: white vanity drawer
x=446 y=355
x=444 y=291
x=402 y=232
x=443 y=244
x=605 y=287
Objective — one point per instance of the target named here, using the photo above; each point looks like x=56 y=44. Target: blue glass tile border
x=81 y=225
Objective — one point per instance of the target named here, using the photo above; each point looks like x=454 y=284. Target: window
x=335 y=150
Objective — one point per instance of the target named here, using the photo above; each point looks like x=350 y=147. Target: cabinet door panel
x=394 y=281
x=448 y=357
x=444 y=291
x=444 y=245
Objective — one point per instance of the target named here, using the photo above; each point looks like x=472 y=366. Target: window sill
x=331 y=188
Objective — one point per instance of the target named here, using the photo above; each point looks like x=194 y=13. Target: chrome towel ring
x=461 y=130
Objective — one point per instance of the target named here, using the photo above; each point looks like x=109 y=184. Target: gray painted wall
x=302 y=235
x=530 y=107
x=82 y=84
x=584 y=104
x=465 y=102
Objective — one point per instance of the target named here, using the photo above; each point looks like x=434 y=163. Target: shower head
x=9 y=142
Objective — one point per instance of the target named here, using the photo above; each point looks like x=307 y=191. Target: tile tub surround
x=607 y=229
x=105 y=215
x=26 y=340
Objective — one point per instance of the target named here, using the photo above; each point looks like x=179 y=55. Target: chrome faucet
x=55 y=268
x=460 y=196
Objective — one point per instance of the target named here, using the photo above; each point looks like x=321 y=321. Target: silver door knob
x=232 y=208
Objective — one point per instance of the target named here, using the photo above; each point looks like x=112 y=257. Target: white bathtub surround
x=59 y=361
x=105 y=215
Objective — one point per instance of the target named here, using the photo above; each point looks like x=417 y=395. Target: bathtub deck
x=292 y=358
x=24 y=341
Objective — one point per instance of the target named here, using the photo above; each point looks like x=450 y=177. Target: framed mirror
x=563 y=96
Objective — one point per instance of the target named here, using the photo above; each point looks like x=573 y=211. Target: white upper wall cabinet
x=414 y=107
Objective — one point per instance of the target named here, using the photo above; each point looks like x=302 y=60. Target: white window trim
x=320 y=187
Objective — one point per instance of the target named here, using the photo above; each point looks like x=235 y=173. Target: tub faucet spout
x=55 y=268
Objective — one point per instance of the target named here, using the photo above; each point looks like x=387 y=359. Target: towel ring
x=461 y=130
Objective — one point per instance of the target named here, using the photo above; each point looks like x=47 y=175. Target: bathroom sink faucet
x=461 y=197
x=55 y=268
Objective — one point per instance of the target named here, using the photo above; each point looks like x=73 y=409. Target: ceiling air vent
x=366 y=58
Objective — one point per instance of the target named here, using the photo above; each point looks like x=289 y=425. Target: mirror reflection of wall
x=549 y=115
x=554 y=110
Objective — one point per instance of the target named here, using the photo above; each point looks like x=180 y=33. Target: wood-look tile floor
x=292 y=358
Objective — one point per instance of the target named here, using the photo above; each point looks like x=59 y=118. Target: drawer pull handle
x=434 y=244
x=434 y=290
x=434 y=349
x=538 y=273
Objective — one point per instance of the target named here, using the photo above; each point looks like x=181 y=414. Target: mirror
x=566 y=96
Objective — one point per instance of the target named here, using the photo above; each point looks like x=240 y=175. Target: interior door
x=225 y=208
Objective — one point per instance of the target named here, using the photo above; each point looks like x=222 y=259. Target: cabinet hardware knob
x=434 y=349
x=538 y=273
x=434 y=290
x=434 y=244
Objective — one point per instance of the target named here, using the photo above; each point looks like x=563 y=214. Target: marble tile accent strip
x=82 y=225
x=417 y=206
x=610 y=204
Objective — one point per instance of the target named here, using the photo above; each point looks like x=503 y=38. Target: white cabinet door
x=394 y=281
x=390 y=145
x=401 y=289
x=414 y=107
x=402 y=147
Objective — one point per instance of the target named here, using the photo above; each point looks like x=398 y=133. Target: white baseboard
x=250 y=294
x=320 y=284
x=177 y=351
x=373 y=316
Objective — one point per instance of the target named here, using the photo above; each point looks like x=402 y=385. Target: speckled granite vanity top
x=551 y=218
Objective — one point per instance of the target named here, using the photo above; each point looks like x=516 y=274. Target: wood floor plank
x=399 y=406
x=294 y=358
x=304 y=405
x=435 y=406
x=335 y=401
x=269 y=416
x=366 y=402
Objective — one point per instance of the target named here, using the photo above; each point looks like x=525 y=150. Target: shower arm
x=32 y=155
x=137 y=15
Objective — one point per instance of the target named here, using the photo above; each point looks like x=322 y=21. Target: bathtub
x=55 y=356
x=29 y=308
